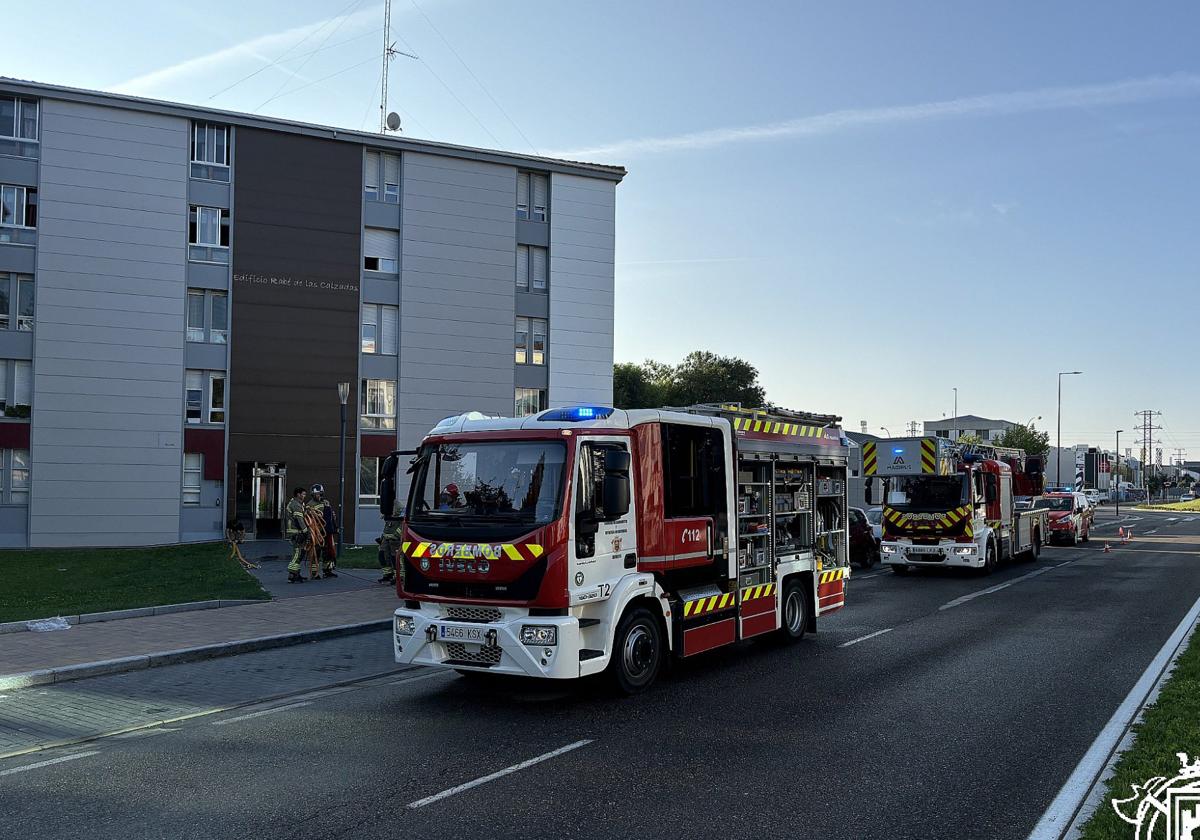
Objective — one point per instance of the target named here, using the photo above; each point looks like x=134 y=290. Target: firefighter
x=389 y=544
x=328 y=550
x=297 y=532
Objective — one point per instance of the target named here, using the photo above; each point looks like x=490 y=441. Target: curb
x=9 y=682
x=136 y=612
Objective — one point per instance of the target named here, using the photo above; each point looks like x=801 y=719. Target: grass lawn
x=359 y=557
x=48 y=582
x=1170 y=726
x=1192 y=506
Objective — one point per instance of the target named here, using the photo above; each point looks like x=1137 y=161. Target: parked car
x=1070 y=516
x=1093 y=497
x=875 y=517
x=1188 y=497
x=864 y=548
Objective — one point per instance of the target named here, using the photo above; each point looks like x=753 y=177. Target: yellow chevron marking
x=421 y=549
x=536 y=550
x=512 y=552
x=404 y=546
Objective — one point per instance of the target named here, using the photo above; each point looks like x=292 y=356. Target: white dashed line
x=47 y=763
x=288 y=707
x=491 y=777
x=958 y=602
x=864 y=638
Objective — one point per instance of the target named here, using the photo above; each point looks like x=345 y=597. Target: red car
x=864 y=548
x=1069 y=514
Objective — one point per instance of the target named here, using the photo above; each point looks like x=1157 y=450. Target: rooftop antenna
x=388 y=121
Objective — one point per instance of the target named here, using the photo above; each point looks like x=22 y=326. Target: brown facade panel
x=295 y=316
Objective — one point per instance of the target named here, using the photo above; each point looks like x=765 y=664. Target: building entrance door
x=261 y=498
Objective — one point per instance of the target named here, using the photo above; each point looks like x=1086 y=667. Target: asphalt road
x=961 y=720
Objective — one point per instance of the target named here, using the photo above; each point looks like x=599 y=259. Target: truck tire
x=637 y=654
x=794 y=610
x=990 y=560
x=1035 y=549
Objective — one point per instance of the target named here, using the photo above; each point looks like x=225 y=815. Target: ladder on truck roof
x=773 y=413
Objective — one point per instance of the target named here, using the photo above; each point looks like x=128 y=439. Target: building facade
x=989 y=431
x=183 y=290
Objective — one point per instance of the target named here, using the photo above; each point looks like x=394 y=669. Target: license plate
x=924 y=549
x=454 y=633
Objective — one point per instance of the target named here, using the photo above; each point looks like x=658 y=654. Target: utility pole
x=912 y=428
x=1148 y=430
x=389 y=52
x=954 y=436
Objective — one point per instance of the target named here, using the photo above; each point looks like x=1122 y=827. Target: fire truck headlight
x=887 y=549
x=406 y=625
x=537 y=635
x=965 y=549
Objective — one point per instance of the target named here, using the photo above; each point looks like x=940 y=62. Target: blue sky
x=872 y=202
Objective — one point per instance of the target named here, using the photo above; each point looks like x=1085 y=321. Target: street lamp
x=1058 y=456
x=343 y=396
x=1031 y=419
x=885 y=428
x=955 y=435
x=1118 y=454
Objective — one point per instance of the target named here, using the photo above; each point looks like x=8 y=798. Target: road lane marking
x=47 y=763
x=1061 y=815
x=491 y=777
x=864 y=638
x=958 y=602
x=260 y=714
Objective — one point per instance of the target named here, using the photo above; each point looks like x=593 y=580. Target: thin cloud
x=1175 y=86
x=255 y=48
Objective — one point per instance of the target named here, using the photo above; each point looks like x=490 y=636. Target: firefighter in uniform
x=297 y=532
x=389 y=544
x=328 y=550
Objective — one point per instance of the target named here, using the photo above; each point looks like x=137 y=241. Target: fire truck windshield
x=928 y=493
x=488 y=482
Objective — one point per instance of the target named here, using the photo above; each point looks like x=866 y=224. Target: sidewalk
x=134 y=643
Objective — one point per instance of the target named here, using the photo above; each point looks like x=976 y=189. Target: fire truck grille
x=472 y=655
x=480 y=615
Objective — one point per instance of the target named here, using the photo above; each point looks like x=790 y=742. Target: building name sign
x=287 y=282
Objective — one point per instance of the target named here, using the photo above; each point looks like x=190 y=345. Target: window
x=216 y=398
x=18 y=478
x=18 y=214
x=192 y=463
x=532 y=191
x=380 y=329
x=210 y=151
x=195 y=316
x=218 y=317
x=531 y=341
x=368 y=480
x=193 y=395
x=22 y=390
x=529 y=401
x=381 y=250
x=207 y=316
x=18 y=126
x=18 y=288
x=378 y=404
x=208 y=234
x=531 y=268
x=693 y=471
x=382 y=168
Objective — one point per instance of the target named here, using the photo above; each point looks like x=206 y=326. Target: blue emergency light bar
x=576 y=414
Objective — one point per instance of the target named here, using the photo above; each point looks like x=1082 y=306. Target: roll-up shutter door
x=384 y=244
x=389 y=330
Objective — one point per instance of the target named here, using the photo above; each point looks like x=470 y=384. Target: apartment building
x=182 y=291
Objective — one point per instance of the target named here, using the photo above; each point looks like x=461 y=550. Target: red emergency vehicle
x=589 y=539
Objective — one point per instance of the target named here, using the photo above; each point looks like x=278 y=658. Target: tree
x=969 y=437
x=1025 y=437
x=702 y=377
x=634 y=388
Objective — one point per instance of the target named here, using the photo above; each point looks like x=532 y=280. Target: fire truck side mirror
x=616 y=494
x=387 y=485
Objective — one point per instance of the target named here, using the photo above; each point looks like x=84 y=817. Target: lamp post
x=1058 y=456
x=1031 y=419
x=1118 y=454
x=885 y=428
x=955 y=435
x=343 y=395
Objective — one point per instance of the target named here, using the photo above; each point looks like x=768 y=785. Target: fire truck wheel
x=637 y=652
x=795 y=610
x=990 y=562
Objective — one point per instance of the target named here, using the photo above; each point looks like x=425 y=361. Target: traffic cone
x=1107 y=550
x=1128 y=536
x=1121 y=533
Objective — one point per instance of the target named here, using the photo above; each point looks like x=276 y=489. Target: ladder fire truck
x=949 y=504
x=588 y=539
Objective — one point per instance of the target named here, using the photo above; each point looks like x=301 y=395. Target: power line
x=283 y=58
x=322 y=79
x=433 y=73
x=473 y=76
x=341 y=20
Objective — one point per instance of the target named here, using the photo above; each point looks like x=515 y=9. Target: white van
x=1093 y=496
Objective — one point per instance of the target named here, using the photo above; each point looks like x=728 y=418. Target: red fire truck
x=589 y=539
